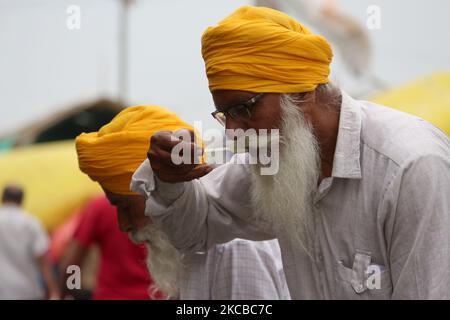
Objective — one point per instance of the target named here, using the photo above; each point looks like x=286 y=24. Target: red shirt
x=122 y=273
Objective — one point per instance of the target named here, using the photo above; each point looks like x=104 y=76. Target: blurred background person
x=24 y=270
x=122 y=273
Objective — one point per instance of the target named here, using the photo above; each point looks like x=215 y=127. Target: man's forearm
x=49 y=278
x=200 y=213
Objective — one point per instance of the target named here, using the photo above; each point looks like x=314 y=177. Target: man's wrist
x=167 y=191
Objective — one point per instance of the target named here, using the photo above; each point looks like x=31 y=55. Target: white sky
x=45 y=67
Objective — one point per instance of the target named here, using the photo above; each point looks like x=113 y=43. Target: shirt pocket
x=363 y=280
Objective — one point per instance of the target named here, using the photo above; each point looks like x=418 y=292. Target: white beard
x=284 y=200
x=164 y=262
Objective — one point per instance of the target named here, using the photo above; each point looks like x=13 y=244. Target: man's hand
x=159 y=154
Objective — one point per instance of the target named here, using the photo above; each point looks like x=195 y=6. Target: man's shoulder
x=400 y=137
x=18 y=216
x=31 y=220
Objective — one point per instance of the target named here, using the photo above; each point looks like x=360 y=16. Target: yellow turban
x=111 y=155
x=259 y=49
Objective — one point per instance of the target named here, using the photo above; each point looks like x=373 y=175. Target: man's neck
x=325 y=121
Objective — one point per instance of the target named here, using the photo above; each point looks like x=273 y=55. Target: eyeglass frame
x=241 y=105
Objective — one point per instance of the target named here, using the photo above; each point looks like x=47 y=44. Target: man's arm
x=200 y=213
x=86 y=233
x=48 y=277
x=39 y=247
x=74 y=254
x=419 y=244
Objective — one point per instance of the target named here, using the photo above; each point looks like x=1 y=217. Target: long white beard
x=284 y=200
x=164 y=262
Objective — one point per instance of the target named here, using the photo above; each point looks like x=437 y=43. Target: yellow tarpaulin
x=428 y=98
x=54 y=185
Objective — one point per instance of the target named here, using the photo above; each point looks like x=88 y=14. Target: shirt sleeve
x=200 y=213
x=248 y=270
x=89 y=226
x=419 y=242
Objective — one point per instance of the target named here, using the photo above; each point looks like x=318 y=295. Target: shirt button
x=320 y=257
x=320 y=262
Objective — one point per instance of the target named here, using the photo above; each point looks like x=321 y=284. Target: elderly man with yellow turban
x=360 y=203
x=239 y=269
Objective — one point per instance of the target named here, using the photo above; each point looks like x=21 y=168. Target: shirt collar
x=346 y=162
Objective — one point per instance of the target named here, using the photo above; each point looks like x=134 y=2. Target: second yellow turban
x=111 y=155
x=263 y=50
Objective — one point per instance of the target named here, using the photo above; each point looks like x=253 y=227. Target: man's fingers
x=195 y=173
x=162 y=160
x=181 y=139
x=185 y=135
x=162 y=156
x=164 y=140
x=184 y=153
x=173 y=156
x=169 y=168
x=198 y=172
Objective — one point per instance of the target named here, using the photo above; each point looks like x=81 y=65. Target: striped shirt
x=237 y=270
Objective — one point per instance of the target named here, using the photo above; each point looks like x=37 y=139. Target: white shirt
x=22 y=241
x=237 y=270
x=386 y=205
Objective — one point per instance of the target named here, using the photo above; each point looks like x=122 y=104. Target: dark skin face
x=130 y=211
x=266 y=114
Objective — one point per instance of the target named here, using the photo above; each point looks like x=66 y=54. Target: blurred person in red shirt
x=122 y=273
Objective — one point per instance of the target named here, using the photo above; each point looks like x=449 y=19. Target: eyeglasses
x=236 y=111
